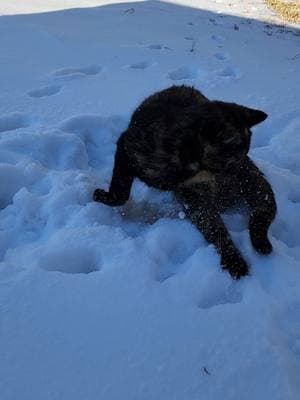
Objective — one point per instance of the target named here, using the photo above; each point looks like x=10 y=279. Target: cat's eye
x=230 y=140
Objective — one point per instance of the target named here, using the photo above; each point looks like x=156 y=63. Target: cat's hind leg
x=260 y=220
x=261 y=201
x=207 y=219
x=121 y=182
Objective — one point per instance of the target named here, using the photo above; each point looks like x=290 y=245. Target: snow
x=109 y=303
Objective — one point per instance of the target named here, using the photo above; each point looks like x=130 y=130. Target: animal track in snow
x=158 y=47
x=13 y=121
x=140 y=65
x=155 y=47
x=71 y=72
x=217 y=38
x=221 y=56
x=185 y=72
x=44 y=91
x=228 y=73
x=217 y=295
x=73 y=260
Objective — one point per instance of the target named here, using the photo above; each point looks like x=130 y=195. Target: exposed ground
x=288 y=10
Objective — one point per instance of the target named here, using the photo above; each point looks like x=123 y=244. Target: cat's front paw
x=100 y=195
x=235 y=265
x=262 y=245
x=107 y=198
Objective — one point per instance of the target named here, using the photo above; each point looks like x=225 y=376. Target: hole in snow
x=71 y=72
x=216 y=295
x=140 y=65
x=44 y=91
x=155 y=47
x=13 y=121
x=184 y=72
x=70 y=260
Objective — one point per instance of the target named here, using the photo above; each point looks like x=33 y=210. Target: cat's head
x=224 y=133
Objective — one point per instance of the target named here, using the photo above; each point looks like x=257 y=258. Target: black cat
x=181 y=141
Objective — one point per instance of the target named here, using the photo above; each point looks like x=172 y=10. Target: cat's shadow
x=145 y=212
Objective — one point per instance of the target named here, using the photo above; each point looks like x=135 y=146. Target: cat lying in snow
x=179 y=140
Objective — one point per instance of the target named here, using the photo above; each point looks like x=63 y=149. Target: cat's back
x=160 y=122
x=155 y=134
x=167 y=106
x=183 y=96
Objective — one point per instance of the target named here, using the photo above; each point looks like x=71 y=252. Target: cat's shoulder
x=176 y=95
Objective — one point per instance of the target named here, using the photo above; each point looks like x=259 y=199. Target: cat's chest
x=203 y=177
x=223 y=188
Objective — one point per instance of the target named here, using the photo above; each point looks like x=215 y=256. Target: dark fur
x=179 y=140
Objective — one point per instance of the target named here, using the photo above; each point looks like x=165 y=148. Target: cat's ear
x=252 y=117
x=246 y=116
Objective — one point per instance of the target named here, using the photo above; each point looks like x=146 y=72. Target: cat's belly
x=164 y=178
x=158 y=171
x=200 y=178
x=222 y=189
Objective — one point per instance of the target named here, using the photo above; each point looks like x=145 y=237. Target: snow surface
x=131 y=303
